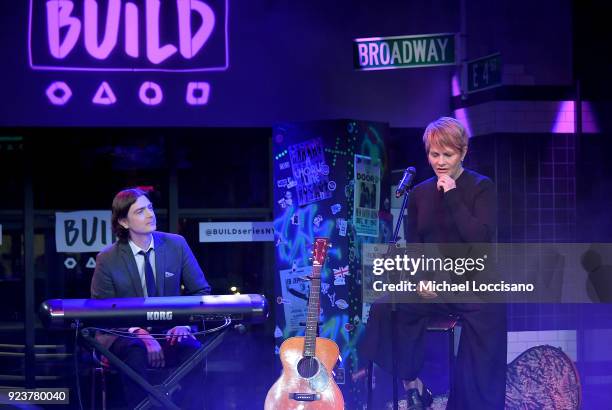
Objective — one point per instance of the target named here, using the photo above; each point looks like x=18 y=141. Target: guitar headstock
x=319 y=251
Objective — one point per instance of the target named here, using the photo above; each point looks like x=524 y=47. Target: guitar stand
x=159 y=395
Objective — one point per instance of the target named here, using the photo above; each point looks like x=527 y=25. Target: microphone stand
x=393 y=243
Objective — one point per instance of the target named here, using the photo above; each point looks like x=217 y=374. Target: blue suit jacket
x=116 y=274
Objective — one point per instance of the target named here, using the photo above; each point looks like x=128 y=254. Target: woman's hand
x=424 y=293
x=446 y=183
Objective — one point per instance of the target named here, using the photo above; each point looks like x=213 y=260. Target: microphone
x=406 y=182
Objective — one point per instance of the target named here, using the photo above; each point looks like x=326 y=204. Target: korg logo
x=128 y=35
x=159 y=315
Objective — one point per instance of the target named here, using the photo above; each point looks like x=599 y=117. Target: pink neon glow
x=58 y=93
x=131 y=35
x=189 y=45
x=155 y=53
x=204 y=89
x=150 y=86
x=461 y=116
x=456 y=89
x=104 y=95
x=565 y=123
x=58 y=17
x=111 y=31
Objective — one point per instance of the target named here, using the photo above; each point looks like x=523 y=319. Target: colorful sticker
x=348 y=189
x=340 y=275
x=295 y=290
x=341 y=303
x=295 y=219
x=335 y=208
x=286 y=201
x=291 y=183
x=307 y=158
x=342 y=225
x=332 y=298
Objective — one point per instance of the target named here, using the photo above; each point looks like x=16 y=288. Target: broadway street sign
x=388 y=53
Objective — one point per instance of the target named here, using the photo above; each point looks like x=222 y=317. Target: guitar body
x=319 y=381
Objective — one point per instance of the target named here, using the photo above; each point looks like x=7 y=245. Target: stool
x=101 y=368
x=447 y=324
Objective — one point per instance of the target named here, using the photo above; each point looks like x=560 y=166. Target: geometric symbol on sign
x=149 y=87
x=58 y=93
x=104 y=95
x=70 y=263
x=91 y=263
x=197 y=93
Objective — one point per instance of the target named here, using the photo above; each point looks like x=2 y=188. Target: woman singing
x=456 y=206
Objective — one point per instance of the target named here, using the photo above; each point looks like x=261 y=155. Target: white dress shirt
x=140 y=263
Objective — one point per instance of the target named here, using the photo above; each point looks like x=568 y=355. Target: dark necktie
x=149 y=278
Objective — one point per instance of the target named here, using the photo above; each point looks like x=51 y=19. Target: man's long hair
x=121 y=205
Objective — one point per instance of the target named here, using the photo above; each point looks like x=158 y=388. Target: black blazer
x=116 y=274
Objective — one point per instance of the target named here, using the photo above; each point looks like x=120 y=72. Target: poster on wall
x=310 y=171
x=295 y=289
x=366 y=196
x=82 y=231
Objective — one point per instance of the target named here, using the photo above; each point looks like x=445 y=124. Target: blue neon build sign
x=129 y=35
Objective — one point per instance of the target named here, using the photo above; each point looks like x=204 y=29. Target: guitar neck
x=312 y=318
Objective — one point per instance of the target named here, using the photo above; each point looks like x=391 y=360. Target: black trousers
x=132 y=351
x=479 y=382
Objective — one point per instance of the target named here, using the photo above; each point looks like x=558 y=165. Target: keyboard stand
x=159 y=395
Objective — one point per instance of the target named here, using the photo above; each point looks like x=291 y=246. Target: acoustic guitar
x=306 y=382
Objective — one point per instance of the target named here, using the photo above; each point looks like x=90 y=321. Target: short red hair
x=446 y=132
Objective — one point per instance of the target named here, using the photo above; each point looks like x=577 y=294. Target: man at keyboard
x=146 y=263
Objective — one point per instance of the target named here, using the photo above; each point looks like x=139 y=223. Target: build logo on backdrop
x=101 y=36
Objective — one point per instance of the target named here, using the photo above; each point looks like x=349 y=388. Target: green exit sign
x=484 y=73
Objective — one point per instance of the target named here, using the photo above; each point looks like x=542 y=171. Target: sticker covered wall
x=314 y=196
